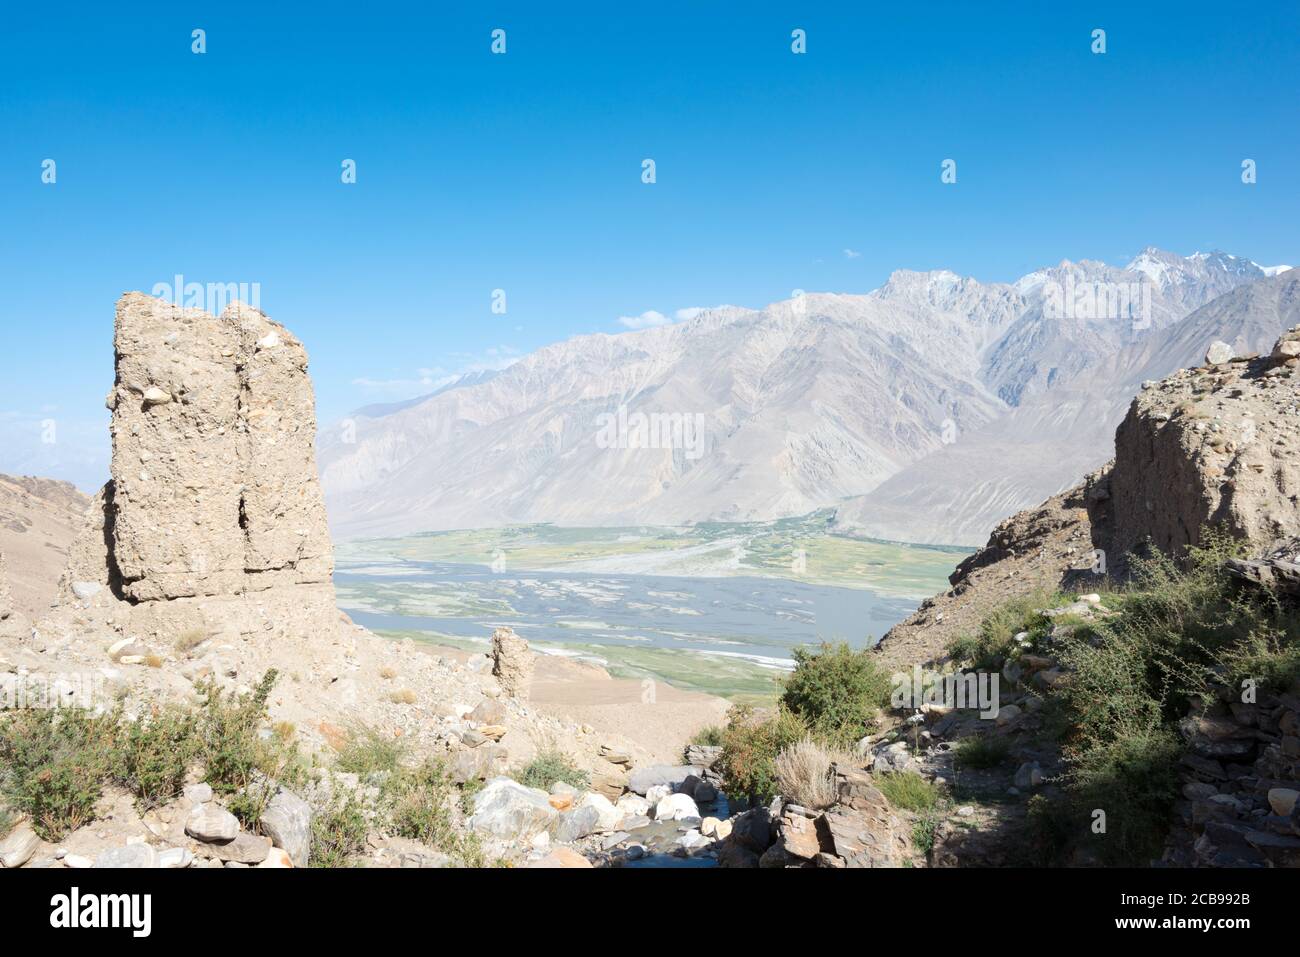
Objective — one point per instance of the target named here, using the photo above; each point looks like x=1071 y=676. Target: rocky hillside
x=39 y=518
x=794 y=407
x=1211 y=445
x=960 y=491
x=196 y=604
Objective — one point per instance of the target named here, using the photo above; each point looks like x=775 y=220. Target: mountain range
x=925 y=410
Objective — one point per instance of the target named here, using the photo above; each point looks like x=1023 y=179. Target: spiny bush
x=1181 y=628
x=153 y=754
x=53 y=765
x=750 y=744
x=338 y=833
x=838 y=692
x=550 y=766
x=238 y=760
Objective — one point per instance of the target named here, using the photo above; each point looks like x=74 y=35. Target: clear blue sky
x=523 y=171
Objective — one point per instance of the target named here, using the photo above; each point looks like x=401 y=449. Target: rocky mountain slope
x=773 y=412
x=958 y=492
x=39 y=518
x=1216 y=444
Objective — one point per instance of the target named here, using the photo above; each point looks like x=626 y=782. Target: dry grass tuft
x=803 y=773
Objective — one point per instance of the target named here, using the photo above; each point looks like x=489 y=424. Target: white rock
x=657 y=793
x=1218 y=352
x=212 y=823
x=133 y=855
x=610 y=815
x=156 y=396
x=633 y=805
x=198 y=793
x=277 y=857
x=175 y=857
x=676 y=807
x=509 y=811
x=84 y=590
x=1282 y=800
x=18 y=848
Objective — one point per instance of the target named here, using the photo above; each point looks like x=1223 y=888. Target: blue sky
x=522 y=172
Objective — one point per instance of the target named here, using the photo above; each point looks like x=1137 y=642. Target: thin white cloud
x=429 y=378
x=852 y=254
x=653 y=317
x=646 y=320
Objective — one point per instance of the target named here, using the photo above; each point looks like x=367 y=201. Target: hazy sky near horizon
x=523 y=171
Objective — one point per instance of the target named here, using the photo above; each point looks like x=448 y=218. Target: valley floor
x=714 y=608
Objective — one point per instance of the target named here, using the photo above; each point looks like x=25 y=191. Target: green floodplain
x=671 y=603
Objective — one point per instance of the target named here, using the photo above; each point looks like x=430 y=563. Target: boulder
x=753 y=831
x=488 y=711
x=244 y=849
x=676 y=807
x=277 y=857
x=287 y=822
x=1028 y=775
x=212 y=823
x=610 y=816
x=507 y=810
x=132 y=855
x=632 y=805
x=1283 y=800
x=18 y=847
x=577 y=823
x=1218 y=353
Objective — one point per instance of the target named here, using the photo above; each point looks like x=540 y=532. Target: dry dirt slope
x=39 y=518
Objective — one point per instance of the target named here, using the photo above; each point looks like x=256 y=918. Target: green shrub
x=838 y=692
x=995 y=638
x=239 y=761
x=981 y=751
x=53 y=765
x=908 y=790
x=338 y=834
x=1182 y=628
x=750 y=744
x=709 y=737
x=154 y=754
x=7 y=821
x=550 y=766
x=367 y=752
x=420 y=805
x=924 y=829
